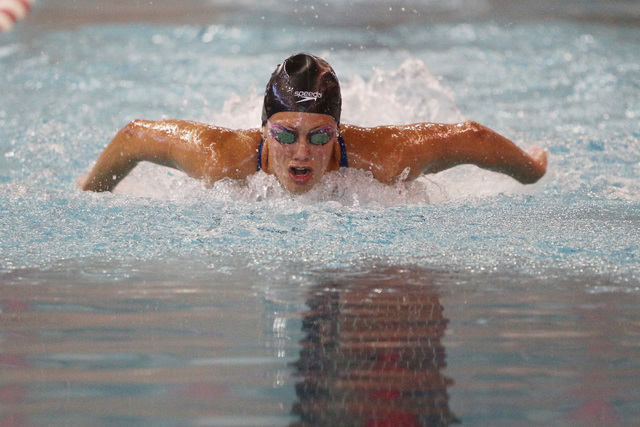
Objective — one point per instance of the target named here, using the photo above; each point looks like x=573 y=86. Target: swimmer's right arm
x=201 y=151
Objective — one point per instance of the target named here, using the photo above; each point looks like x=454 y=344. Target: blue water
x=168 y=303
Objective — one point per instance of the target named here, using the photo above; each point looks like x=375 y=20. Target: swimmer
x=302 y=139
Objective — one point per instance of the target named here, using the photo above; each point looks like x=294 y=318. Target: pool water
x=462 y=297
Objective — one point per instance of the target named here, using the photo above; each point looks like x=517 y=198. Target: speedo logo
x=307 y=96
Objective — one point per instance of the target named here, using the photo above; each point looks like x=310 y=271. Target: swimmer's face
x=301 y=146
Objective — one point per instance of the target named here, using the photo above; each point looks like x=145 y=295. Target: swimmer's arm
x=194 y=148
x=447 y=146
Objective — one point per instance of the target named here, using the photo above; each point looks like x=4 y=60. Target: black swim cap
x=303 y=83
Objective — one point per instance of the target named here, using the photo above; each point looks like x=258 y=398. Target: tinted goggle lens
x=284 y=136
x=320 y=138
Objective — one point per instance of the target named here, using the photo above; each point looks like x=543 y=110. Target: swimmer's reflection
x=373 y=357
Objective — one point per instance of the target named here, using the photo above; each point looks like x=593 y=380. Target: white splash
x=410 y=94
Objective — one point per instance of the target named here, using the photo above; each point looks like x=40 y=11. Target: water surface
x=461 y=297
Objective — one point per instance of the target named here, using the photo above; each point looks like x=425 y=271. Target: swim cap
x=303 y=83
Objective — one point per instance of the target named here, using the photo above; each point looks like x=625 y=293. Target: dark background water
x=70 y=13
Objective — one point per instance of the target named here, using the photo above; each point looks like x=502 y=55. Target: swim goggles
x=286 y=136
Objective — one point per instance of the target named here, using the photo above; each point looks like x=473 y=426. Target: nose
x=301 y=151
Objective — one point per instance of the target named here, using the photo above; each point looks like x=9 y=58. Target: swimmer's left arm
x=406 y=152
x=442 y=146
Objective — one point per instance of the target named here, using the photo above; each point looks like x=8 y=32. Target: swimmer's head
x=303 y=83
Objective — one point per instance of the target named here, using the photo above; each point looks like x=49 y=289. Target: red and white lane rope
x=12 y=11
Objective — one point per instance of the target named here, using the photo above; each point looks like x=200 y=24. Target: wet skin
x=300 y=165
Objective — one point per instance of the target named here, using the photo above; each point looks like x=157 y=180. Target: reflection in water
x=373 y=357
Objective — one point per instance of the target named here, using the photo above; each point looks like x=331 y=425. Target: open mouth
x=300 y=175
x=299 y=171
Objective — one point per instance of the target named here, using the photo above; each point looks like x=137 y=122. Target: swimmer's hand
x=85 y=184
x=537 y=165
x=80 y=181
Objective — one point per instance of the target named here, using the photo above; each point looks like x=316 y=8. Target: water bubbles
x=391 y=97
x=586 y=39
x=210 y=33
x=158 y=39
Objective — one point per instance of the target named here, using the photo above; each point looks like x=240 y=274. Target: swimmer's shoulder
x=202 y=134
x=233 y=153
x=223 y=152
x=387 y=150
x=237 y=138
x=364 y=139
x=367 y=147
x=394 y=137
x=214 y=151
